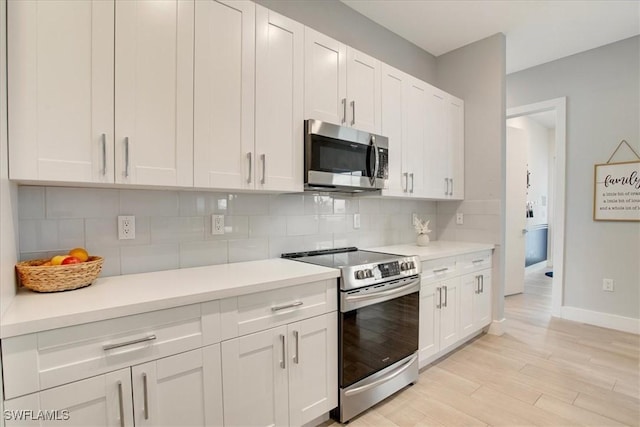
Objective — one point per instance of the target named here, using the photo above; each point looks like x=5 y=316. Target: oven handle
x=372 y=179
x=389 y=377
x=383 y=293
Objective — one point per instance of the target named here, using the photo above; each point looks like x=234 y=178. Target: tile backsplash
x=173 y=228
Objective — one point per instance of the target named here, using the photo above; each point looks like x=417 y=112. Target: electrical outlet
x=607 y=285
x=459 y=218
x=126 y=227
x=217 y=224
x=356 y=221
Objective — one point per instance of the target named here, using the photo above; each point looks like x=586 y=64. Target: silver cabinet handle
x=477 y=291
x=344 y=111
x=411 y=175
x=439 y=305
x=121 y=404
x=451 y=192
x=406 y=182
x=482 y=283
x=446 y=186
x=146 y=396
x=296 y=357
x=441 y=270
x=477 y=261
x=103 y=139
x=284 y=307
x=263 y=157
x=353 y=111
x=126 y=156
x=283 y=364
x=446 y=296
x=124 y=344
x=249 y=157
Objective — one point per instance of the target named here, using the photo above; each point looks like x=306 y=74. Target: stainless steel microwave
x=343 y=159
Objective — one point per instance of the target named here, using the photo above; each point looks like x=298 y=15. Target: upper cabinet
x=60 y=78
x=154 y=92
x=224 y=94
x=342 y=85
x=63 y=123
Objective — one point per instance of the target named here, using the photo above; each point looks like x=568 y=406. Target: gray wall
x=337 y=20
x=476 y=73
x=602 y=87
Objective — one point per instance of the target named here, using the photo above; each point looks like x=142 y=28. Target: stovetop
x=361 y=268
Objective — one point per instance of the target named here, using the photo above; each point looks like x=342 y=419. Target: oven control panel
x=389 y=269
x=377 y=272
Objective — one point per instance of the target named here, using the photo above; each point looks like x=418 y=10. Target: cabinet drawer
x=256 y=312
x=438 y=269
x=46 y=359
x=474 y=262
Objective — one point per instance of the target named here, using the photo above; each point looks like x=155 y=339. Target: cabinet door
x=437 y=152
x=449 y=313
x=60 y=72
x=429 y=332
x=254 y=378
x=104 y=400
x=180 y=390
x=470 y=286
x=482 y=307
x=414 y=156
x=313 y=368
x=325 y=78
x=279 y=102
x=393 y=102
x=224 y=93
x=363 y=91
x=456 y=146
x=154 y=92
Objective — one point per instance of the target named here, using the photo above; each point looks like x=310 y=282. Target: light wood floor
x=544 y=371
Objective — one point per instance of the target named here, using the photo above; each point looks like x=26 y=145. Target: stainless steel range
x=378 y=324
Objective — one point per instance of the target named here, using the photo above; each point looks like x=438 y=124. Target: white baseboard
x=605 y=320
x=542 y=265
x=497 y=327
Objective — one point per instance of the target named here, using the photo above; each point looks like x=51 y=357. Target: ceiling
x=537 y=31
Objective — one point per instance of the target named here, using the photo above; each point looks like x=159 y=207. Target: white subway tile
x=263 y=225
x=332 y=224
x=448 y=206
x=196 y=254
x=248 y=250
x=318 y=241
x=149 y=203
x=199 y=203
x=64 y=202
x=38 y=235
x=70 y=234
x=235 y=227
x=286 y=204
x=317 y=204
x=344 y=240
x=176 y=229
x=302 y=225
x=111 y=259
x=426 y=207
x=390 y=206
x=371 y=206
x=281 y=245
x=371 y=239
x=31 y=202
x=142 y=259
x=345 y=205
x=248 y=204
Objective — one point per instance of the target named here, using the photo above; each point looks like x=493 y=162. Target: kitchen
x=262 y=226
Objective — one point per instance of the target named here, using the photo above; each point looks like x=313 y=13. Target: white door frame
x=559 y=105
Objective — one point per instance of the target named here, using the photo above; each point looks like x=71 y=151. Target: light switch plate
x=607 y=285
x=356 y=221
x=217 y=224
x=459 y=218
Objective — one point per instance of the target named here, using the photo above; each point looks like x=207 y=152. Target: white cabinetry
x=455 y=302
x=60 y=79
x=393 y=95
x=154 y=92
x=69 y=64
x=282 y=368
x=342 y=85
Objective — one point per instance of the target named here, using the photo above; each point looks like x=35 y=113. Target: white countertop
x=117 y=296
x=436 y=249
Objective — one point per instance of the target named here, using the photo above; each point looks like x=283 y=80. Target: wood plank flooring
x=543 y=371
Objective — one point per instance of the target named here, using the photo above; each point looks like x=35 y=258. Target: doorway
x=542 y=207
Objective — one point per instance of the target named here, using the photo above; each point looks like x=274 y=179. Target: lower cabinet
x=475 y=302
x=180 y=390
x=281 y=376
x=439 y=317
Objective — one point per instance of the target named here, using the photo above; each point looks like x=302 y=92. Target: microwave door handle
x=377 y=159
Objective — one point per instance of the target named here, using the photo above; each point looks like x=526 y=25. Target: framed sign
x=616 y=194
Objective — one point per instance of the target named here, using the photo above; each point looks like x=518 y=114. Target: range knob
x=368 y=273
x=360 y=274
x=404 y=266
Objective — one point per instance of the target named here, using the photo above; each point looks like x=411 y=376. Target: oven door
x=378 y=327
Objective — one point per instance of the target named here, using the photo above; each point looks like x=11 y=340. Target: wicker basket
x=53 y=278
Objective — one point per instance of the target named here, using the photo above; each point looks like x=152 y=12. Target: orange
x=80 y=253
